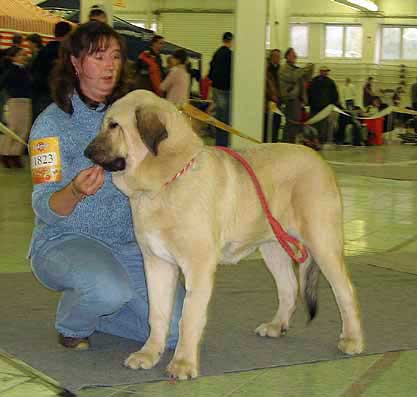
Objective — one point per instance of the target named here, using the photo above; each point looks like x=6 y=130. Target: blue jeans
x=101 y=290
x=221 y=101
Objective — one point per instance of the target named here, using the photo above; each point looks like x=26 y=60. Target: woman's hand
x=88 y=181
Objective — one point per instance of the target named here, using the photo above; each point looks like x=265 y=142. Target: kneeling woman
x=83 y=243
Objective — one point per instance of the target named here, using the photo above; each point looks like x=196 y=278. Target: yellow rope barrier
x=199 y=115
x=7 y=131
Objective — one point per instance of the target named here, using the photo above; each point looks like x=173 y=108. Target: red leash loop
x=285 y=239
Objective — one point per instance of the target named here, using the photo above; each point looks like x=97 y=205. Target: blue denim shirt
x=105 y=216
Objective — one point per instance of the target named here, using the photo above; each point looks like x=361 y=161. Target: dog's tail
x=309 y=277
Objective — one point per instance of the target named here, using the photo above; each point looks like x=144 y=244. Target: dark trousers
x=344 y=121
x=323 y=129
x=350 y=104
x=221 y=100
x=292 y=113
x=276 y=123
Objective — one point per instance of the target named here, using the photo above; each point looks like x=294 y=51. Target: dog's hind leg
x=326 y=246
x=281 y=267
x=161 y=279
x=199 y=279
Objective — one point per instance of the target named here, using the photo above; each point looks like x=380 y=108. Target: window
x=343 y=41
x=299 y=39
x=268 y=36
x=399 y=43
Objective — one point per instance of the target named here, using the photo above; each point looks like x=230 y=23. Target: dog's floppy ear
x=150 y=128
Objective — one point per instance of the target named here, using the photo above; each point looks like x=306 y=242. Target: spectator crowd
x=292 y=93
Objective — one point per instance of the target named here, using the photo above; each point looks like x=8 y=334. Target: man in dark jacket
x=220 y=75
x=42 y=69
x=321 y=93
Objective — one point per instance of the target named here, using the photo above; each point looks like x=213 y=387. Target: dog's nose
x=118 y=164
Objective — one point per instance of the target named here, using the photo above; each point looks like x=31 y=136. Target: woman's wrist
x=76 y=192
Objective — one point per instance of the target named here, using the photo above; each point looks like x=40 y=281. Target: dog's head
x=135 y=126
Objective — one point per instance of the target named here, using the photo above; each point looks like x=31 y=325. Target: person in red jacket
x=150 y=66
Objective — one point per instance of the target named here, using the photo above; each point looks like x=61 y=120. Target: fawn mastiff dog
x=195 y=206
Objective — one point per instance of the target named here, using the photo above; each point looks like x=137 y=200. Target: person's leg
x=222 y=104
x=288 y=125
x=93 y=283
x=276 y=123
x=265 y=127
x=292 y=116
x=350 y=104
x=323 y=129
x=357 y=139
x=339 y=135
x=132 y=320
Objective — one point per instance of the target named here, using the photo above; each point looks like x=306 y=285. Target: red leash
x=282 y=236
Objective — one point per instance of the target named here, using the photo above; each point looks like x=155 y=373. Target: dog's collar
x=182 y=172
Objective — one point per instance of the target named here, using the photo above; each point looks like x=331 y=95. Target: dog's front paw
x=351 y=346
x=273 y=329
x=182 y=369
x=142 y=359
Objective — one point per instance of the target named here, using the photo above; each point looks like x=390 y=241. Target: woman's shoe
x=73 y=343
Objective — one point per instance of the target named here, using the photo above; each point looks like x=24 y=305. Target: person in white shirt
x=177 y=84
x=349 y=94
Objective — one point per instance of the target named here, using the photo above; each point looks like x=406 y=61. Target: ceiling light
x=362 y=5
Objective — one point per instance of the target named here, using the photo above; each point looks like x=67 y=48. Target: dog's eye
x=113 y=124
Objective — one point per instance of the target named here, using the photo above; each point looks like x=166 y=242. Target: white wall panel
x=200 y=32
x=403 y=7
x=196 y=4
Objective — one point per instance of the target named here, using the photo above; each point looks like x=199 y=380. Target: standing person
x=17 y=85
x=368 y=92
x=83 y=243
x=272 y=94
x=396 y=97
x=97 y=14
x=170 y=62
x=151 y=72
x=177 y=83
x=42 y=68
x=321 y=93
x=220 y=75
x=17 y=41
x=292 y=88
x=35 y=44
x=349 y=94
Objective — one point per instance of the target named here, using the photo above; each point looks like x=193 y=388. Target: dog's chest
x=156 y=244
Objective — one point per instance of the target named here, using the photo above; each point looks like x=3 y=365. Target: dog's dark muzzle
x=99 y=157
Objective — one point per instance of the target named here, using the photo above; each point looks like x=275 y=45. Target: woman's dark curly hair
x=86 y=39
